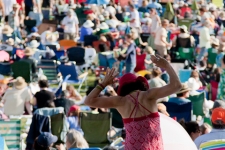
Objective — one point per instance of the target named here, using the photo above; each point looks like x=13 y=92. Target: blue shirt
x=85 y=31
x=74 y=124
x=215 y=134
x=178 y=100
x=219 y=57
x=131 y=54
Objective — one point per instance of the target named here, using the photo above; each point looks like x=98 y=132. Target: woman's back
x=142 y=126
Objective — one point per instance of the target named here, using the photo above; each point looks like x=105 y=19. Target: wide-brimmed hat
x=184 y=28
x=28 y=51
x=103 y=26
x=52 y=37
x=184 y=88
x=215 y=41
x=16 y=5
x=129 y=78
x=46 y=139
x=112 y=23
x=19 y=83
x=101 y=18
x=181 y=3
x=7 y=30
x=10 y=41
x=88 y=24
x=193 y=84
x=34 y=44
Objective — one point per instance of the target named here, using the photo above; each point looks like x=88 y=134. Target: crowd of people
x=139 y=42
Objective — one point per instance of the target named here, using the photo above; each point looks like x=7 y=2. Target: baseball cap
x=34 y=29
x=218 y=114
x=73 y=108
x=46 y=139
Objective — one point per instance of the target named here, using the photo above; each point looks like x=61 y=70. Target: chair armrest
x=83 y=75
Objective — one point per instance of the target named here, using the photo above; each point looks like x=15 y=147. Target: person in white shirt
x=45 y=34
x=161 y=43
x=8 y=5
x=204 y=40
x=134 y=17
x=70 y=24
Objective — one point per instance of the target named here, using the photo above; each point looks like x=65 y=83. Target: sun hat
x=184 y=28
x=175 y=6
x=184 y=88
x=19 y=83
x=130 y=78
x=218 y=114
x=28 y=51
x=88 y=24
x=7 y=30
x=215 y=41
x=10 y=41
x=46 y=139
x=73 y=108
x=16 y=5
x=193 y=84
x=34 y=29
x=101 y=18
x=34 y=44
x=112 y=23
x=103 y=26
x=181 y=3
x=106 y=14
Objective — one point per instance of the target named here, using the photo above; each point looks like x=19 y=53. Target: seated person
x=72 y=94
x=182 y=95
x=28 y=52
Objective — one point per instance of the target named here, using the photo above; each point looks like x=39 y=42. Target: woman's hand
x=109 y=77
x=60 y=147
x=159 y=61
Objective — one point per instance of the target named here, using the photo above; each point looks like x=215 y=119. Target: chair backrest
x=76 y=54
x=186 y=53
x=186 y=22
x=89 y=39
x=67 y=43
x=184 y=75
x=69 y=70
x=49 y=68
x=95 y=125
x=53 y=47
x=59 y=54
x=197 y=102
x=5 y=68
x=23 y=69
x=214 y=88
x=182 y=111
x=213 y=145
x=10 y=131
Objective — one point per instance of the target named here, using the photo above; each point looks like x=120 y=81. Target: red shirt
x=20 y=3
x=140 y=62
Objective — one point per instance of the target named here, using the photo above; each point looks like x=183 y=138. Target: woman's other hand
x=109 y=77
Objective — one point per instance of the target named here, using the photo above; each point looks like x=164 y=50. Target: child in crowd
x=73 y=118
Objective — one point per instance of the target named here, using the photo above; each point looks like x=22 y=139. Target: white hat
x=145 y=20
x=175 y=6
x=106 y=14
x=34 y=44
x=181 y=3
x=184 y=28
x=113 y=23
x=101 y=18
x=88 y=24
x=146 y=14
x=29 y=51
x=215 y=41
x=103 y=26
x=193 y=84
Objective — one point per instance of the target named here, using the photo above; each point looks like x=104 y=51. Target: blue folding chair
x=59 y=89
x=183 y=111
x=71 y=70
x=184 y=75
x=102 y=60
x=5 y=68
x=59 y=54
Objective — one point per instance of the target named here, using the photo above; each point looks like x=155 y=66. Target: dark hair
x=182 y=30
x=49 y=104
x=43 y=83
x=36 y=146
x=156 y=72
x=180 y=94
x=190 y=127
x=133 y=86
x=202 y=63
x=216 y=74
x=220 y=125
x=102 y=47
x=147 y=76
x=38 y=39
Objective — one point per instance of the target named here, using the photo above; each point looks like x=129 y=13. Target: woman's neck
x=44 y=88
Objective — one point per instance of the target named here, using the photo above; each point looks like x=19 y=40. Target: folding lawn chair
x=76 y=54
x=89 y=39
x=60 y=87
x=66 y=70
x=96 y=125
x=23 y=69
x=197 y=103
x=186 y=53
x=67 y=44
x=183 y=111
x=49 y=69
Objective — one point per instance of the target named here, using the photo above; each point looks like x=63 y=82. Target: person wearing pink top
x=137 y=104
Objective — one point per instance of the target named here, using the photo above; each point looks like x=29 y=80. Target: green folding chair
x=10 y=131
x=186 y=53
x=186 y=22
x=22 y=69
x=96 y=125
x=197 y=103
